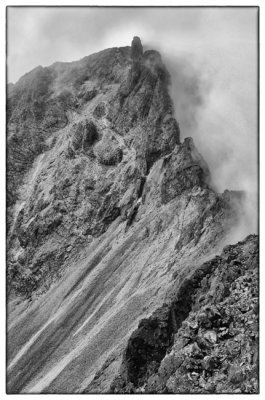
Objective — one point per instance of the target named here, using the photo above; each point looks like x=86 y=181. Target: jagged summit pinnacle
x=136 y=48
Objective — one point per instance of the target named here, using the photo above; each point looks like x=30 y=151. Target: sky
x=211 y=54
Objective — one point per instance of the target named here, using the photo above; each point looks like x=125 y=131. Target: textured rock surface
x=114 y=119
x=205 y=339
x=108 y=214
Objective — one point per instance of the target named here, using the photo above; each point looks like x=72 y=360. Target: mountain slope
x=204 y=339
x=108 y=211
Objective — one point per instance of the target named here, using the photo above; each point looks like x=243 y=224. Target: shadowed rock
x=136 y=49
x=84 y=135
x=186 y=346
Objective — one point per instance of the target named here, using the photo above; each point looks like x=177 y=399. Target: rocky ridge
x=205 y=338
x=108 y=213
x=91 y=139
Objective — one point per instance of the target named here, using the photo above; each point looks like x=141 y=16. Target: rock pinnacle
x=136 y=48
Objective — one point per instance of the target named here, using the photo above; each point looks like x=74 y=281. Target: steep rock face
x=142 y=110
x=46 y=100
x=108 y=215
x=136 y=49
x=205 y=339
x=108 y=140
x=178 y=173
x=84 y=135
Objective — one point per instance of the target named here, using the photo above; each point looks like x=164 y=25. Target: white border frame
x=3 y=5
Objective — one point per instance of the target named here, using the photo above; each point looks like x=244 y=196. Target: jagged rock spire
x=136 y=48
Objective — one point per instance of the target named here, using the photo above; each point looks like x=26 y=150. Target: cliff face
x=79 y=135
x=108 y=213
x=204 y=339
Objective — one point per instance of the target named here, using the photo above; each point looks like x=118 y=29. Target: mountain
x=113 y=231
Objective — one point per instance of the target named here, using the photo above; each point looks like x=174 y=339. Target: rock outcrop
x=111 y=222
x=205 y=339
x=136 y=49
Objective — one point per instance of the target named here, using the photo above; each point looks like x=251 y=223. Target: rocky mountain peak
x=100 y=146
x=97 y=147
x=109 y=210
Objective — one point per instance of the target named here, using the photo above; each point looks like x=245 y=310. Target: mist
x=223 y=124
x=221 y=116
x=211 y=54
x=215 y=94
